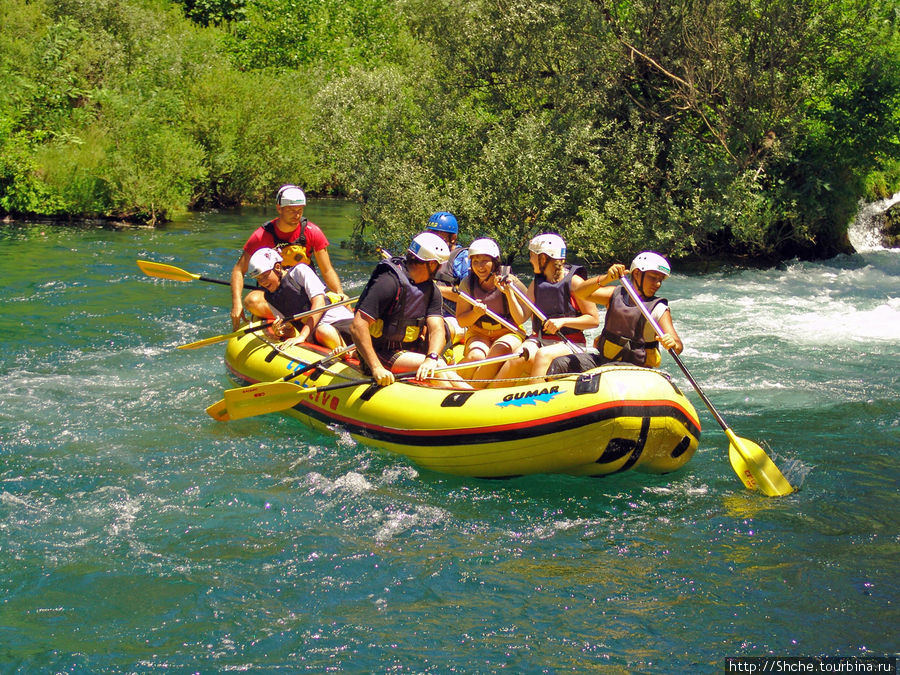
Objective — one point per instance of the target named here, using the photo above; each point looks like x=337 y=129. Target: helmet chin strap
x=547 y=261
x=640 y=285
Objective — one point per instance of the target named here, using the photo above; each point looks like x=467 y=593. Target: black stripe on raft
x=499 y=434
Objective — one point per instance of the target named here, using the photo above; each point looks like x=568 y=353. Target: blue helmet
x=443 y=221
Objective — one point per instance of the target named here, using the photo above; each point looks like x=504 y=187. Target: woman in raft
x=567 y=316
x=485 y=304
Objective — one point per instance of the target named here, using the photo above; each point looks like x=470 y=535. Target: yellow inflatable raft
x=610 y=419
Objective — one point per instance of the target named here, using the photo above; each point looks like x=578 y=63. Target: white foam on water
x=805 y=304
x=397 y=521
x=352 y=482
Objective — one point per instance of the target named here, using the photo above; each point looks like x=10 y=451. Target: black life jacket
x=406 y=316
x=494 y=300
x=445 y=276
x=555 y=300
x=293 y=251
x=622 y=337
x=445 y=273
x=290 y=297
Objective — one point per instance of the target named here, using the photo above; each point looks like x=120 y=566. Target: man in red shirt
x=295 y=238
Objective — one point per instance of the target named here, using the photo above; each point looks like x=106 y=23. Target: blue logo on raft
x=530 y=397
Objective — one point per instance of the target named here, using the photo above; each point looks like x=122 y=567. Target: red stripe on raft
x=502 y=428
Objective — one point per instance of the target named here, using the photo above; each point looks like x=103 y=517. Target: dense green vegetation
x=726 y=127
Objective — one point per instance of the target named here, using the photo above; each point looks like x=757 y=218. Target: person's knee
x=256 y=303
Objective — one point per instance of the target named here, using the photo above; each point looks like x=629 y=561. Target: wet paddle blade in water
x=751 y=463
x=219 y=411
x=740 y=467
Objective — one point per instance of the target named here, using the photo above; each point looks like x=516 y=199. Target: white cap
x=549 y=244
x=484 y=247
x=429 y=246
x=648 y=261
x=290 y=195
x=262 y=261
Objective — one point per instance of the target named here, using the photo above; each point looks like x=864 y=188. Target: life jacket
x=290 y=297
x=622 y=337
x=450 y=272
x=555 y=300
x=453 y=269
x=406 y=316
x=292 y=251
x=494 y=300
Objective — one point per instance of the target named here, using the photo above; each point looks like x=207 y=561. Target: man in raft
x=294 y=237
x=398 y=302
x=452 y=270
x=296 y=290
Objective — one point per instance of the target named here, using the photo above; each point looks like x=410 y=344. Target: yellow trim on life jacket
x=611 y=351
x=376 y=328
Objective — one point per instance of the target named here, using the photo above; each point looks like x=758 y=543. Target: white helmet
x=486 y=247
x=648 y=261
x=429 y=246
x=549 y=244
x=290 y=195
x=262 y=261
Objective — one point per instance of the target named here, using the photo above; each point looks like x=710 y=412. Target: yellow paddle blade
x=266 y=397
x=213 y=340
x=163 y=271
x=219 y=411
x=740 y=468
x=753 y=459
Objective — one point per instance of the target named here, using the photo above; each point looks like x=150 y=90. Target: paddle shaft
x=543 y=318
x=320 y=362
x=302 y=391
x=491 y=313
x=262 y=326
x=442 y=369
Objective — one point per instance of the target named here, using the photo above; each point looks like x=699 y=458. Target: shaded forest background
x=714 y=127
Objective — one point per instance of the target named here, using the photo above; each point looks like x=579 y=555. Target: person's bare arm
x=670 y=340
x=327 y=272
x=237 y=290
x=362 y=338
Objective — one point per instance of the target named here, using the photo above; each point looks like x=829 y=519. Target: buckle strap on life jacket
x=630 y=352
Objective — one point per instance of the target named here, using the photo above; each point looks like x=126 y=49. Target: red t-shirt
x=261 y=238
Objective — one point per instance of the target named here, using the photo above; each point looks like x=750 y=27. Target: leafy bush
x=699 y=128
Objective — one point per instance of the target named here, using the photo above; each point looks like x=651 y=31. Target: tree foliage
x=737 y=127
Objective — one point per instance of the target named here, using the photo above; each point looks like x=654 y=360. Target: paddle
x=749 y=461
x=163 y=271
x=543 y=318
x=491 y=313
x=219 y=409
x=266 y=397
x=252 y=329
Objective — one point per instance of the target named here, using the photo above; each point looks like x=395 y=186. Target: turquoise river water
x=138 y=535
